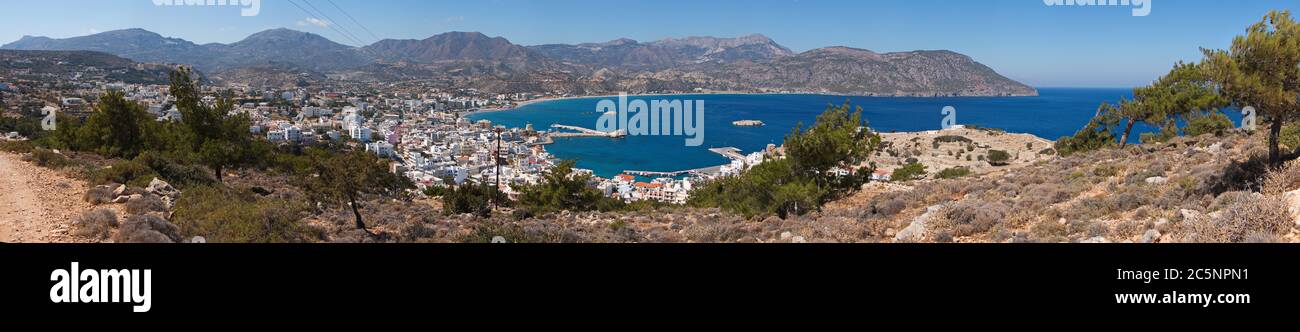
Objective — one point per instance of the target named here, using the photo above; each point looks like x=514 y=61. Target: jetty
x=730 y=153
x=584 y=132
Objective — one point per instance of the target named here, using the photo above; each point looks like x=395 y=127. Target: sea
x=1054 y=113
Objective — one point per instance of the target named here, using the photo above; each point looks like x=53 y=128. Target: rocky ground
x=1204 y=189
x=37 y=204
x=960 y=147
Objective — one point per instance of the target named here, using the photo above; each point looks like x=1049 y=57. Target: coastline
x=550 y=99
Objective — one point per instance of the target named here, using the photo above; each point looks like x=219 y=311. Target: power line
x=332 y=21
x=354 y=20
x=330 y=24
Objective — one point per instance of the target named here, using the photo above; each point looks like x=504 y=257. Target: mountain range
x=471 y=59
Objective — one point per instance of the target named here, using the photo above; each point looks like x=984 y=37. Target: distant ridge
x=752 y=62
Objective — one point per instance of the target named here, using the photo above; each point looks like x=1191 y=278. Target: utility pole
x=496 y=159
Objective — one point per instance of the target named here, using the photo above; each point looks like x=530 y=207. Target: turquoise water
x=1053 y=114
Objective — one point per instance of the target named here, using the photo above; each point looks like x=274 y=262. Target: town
x=422 y=128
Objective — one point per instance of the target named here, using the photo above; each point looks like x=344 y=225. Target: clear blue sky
x=1023 y=39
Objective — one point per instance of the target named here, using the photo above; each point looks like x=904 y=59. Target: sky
x=1026 y=40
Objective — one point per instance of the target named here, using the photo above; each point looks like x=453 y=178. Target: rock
x=786 y=236
x=1151 y=236
x=261 y=191
x=1292 y=200
x=161 y=188
x=1189 y=215
x=121 y=199
x=916 y=231
x=120 y=191
x=1163 y=225
x=798 y=239
x=1157 y=180
x=1099 y=239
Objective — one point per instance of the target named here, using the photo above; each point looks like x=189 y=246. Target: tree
x=215 y=138
x=118 y=127
x=839 y=138
x=1094 y=136
x=345 y=177
x=561 y=189
x=909 y=172
x=1184 y=91
x=807 y=177
x=1260 y=70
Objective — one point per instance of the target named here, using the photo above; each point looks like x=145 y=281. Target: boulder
x=1152 y=236
x=1292 y=200
x=161 y=188
x=916 y=231
x=1157 y=180
x=120 y=190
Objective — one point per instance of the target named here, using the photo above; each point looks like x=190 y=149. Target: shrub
x=971 y=217
x=913 y=171
x=99 y=195
x=953 y=173
x=225 y=215
x=145 y=204
x=1282 y=180
x=96 y=224
x=20 y=147
x=48 y=158
x=952 y=139
x=128 y=172
x=175 y=173
x=1252 y=219
x=147 y=229
x=999 y=158
x=473 y=199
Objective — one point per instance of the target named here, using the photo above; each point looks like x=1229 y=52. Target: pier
x=730 y=153
x=584 y=132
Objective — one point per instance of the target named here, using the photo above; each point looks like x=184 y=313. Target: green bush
x=913 y=171
x=224 y=215
x=562 y=189
x=127 y=172
x=999 y=158
x=48 y=158
x=175 y=173
x=953 y=173
x=1202 y=123
x=472 y=199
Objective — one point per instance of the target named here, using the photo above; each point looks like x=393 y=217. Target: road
x=37 y=205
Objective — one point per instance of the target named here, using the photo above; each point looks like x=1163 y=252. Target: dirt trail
x=37 y=205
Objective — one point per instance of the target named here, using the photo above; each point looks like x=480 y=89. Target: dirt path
x=37 y=205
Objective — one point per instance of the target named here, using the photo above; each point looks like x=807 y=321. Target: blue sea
x=1055 y=113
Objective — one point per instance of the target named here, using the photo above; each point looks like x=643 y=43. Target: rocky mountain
x=843 y=70
x=300 y=48
x=748 y=63
x=452 y=46
x=135 y=44
x=630 y=55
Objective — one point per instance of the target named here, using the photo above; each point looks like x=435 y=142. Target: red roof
x=649 y=185
x=625 y=177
